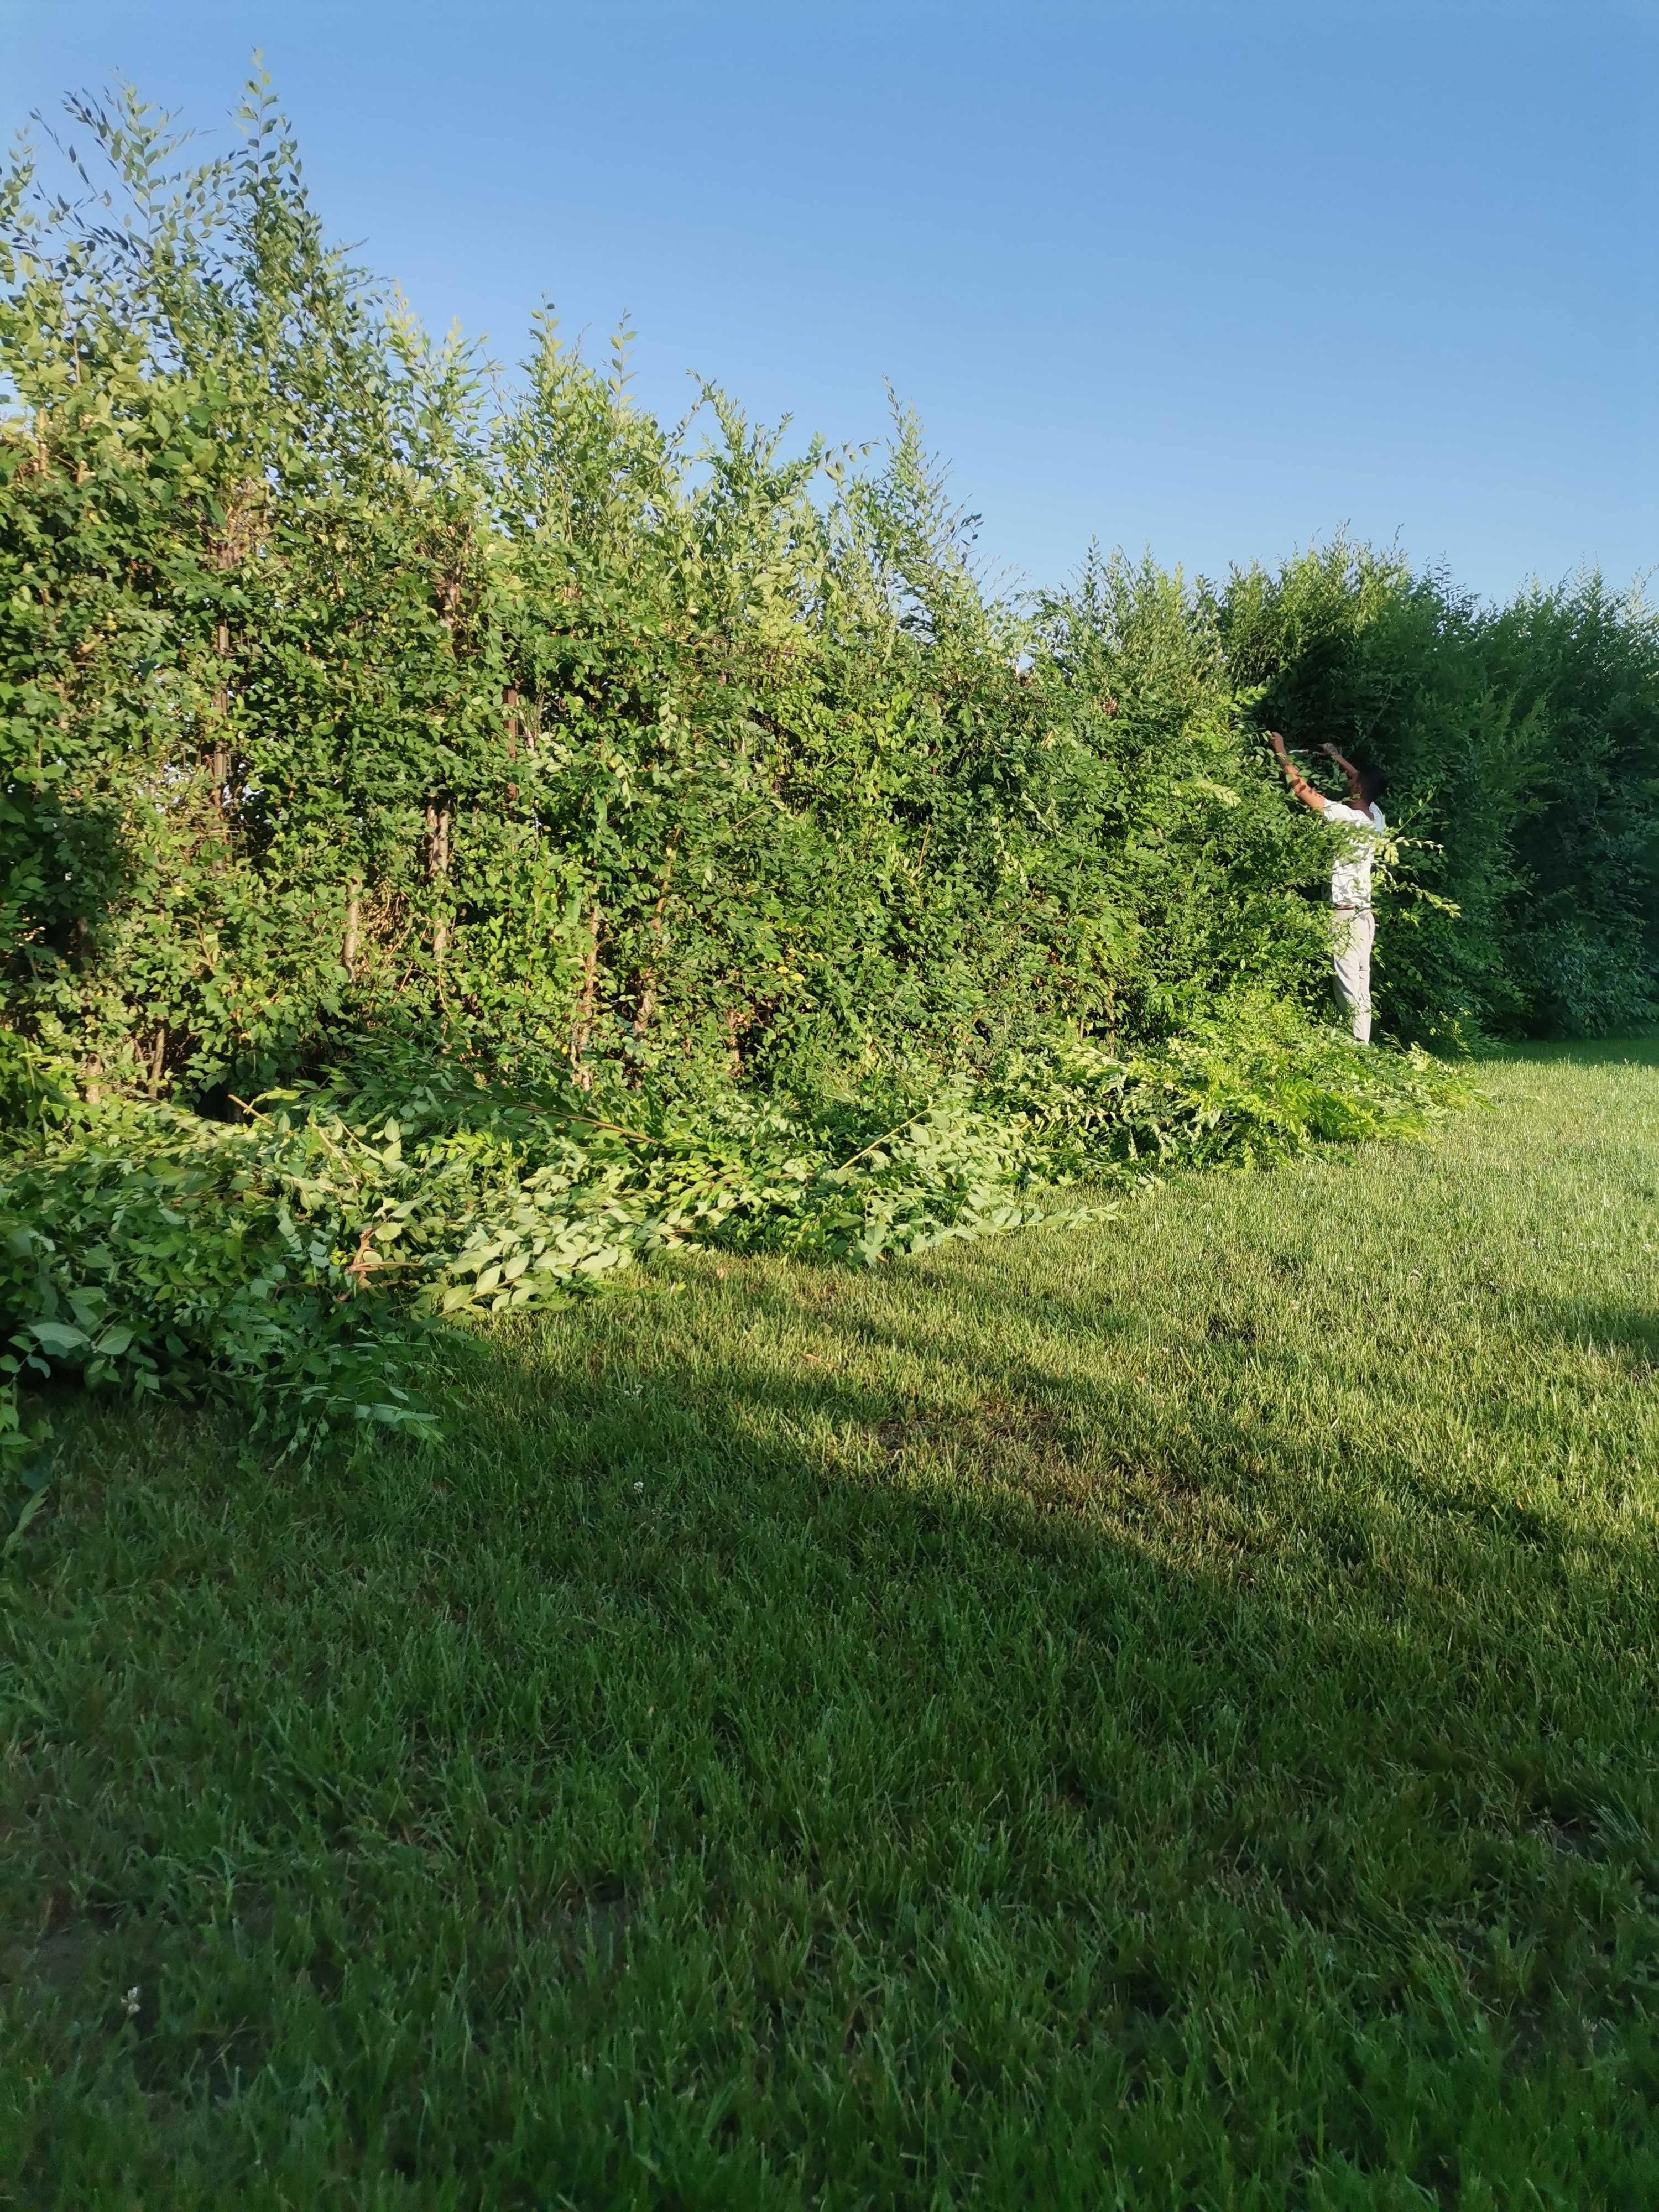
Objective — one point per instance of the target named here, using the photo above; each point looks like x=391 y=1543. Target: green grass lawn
x=1160 y=1715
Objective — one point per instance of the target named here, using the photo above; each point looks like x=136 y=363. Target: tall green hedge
x=349 y=689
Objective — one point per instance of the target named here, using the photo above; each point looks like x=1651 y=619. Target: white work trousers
x=1353 y=933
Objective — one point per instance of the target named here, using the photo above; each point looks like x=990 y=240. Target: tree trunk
x=354 y=918
x=648 y=983
x=437 y=871
x=221 y=767
x=581 y=1034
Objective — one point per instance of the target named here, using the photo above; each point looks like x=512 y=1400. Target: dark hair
x=1372 y=785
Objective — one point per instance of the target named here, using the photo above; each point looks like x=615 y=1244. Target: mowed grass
x=1157 y=1715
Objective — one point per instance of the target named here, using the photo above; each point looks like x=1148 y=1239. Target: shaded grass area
x=1151 y=1715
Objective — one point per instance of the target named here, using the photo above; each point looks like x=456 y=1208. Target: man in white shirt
x=1353 y=926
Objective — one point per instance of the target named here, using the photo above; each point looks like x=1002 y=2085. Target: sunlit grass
x=1158 y=1714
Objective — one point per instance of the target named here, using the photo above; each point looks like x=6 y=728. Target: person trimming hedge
x=1353 y=924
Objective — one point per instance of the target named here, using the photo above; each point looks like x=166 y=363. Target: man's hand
x=1330 y=752
x=1277 y=742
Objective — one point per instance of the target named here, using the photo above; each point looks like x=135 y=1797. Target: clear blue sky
x=1210 y=277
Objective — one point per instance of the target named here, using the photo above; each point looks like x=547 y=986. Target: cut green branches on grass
x=293 y=1262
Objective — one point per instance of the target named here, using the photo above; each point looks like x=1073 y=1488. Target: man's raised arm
x=1350 y=776
x=1300 y=787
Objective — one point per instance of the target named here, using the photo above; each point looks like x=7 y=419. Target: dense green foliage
x=345 y=691
x=362 y=711
x=1120 y=1722
x=339 y=701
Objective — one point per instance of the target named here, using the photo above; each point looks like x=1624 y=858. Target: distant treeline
x=347 y=689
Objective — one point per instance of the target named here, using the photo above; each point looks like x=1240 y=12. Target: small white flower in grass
x=639 y=1486
x=132 y=2002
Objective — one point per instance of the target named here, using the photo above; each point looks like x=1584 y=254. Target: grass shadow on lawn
x=1628 y=1335
x=822 y=1739
x=1641 y=1051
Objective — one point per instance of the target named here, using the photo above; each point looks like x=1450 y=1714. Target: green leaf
x=59 y=1335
